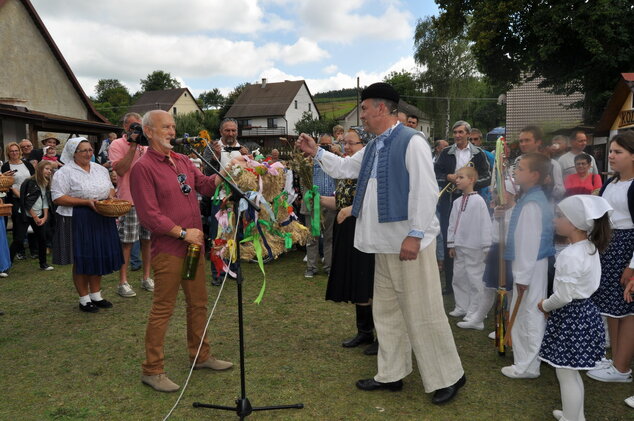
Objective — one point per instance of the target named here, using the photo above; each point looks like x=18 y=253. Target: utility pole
x=358 y=110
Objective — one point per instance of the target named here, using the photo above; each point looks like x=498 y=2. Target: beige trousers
x=409 y=314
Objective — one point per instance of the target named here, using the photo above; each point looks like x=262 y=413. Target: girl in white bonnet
x=575 y=338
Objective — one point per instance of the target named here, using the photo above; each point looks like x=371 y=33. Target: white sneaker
x=610 y=375
x=125 y=290
x=468 y=324
x=604 y=363
x=558 y=414
x=3 y=274
x=491 y=335
x=147 y=284
x=456 y=312
x=630 y=401
x=509 y=371
x=305 y=259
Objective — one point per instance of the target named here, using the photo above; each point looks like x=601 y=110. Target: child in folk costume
x=529 y=245
x=575 y=336
x=468 y=240
x=491 y=276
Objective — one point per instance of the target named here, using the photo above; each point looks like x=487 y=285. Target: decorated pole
x=501 y=314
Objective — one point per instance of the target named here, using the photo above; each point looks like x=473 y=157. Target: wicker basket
x=113 y=207
x=5 y=209
x=6 y=181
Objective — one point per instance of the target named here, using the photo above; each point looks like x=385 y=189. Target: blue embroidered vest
x=546 y=244
x=392 y=176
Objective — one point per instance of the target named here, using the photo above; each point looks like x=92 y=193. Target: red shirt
x=575 y=185
x=160 y=203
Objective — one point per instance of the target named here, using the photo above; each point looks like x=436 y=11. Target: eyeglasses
x=185 y=188
x=83 y=150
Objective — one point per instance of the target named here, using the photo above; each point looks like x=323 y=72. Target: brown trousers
x=167 y=281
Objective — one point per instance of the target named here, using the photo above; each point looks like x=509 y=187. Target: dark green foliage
x=159 y=80
x=211 y=99
x=576 y=45
x=314 y=126
x=112 y=99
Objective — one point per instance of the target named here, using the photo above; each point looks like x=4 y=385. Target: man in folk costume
x=395 y=207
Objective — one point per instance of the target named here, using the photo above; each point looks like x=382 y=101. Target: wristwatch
x=183 y=234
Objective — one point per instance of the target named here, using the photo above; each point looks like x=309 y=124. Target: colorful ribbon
x=311 y=199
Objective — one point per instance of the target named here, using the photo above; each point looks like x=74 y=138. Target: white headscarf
x=582 y=209
x=69 y=149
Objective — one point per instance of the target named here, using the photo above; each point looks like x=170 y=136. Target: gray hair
x=459 y=123
x=228 y=120
x=129 y=116
x=147 y=120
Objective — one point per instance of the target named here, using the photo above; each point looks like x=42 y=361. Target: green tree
x=231 y=98
x=211 y=99
x=194 y=122
x=314 y=126
x=575 y=45
x=404 y=82
x=449 y=74
x=159 y=80
x=112 y=99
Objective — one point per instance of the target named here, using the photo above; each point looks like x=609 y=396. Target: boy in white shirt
x=468 y=240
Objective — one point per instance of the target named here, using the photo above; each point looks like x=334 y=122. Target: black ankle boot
x=365 y=325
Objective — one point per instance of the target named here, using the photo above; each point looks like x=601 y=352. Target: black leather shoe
x=371 y=384
x=90 y=307
x=446 y=394
x=216 y=282
x=360 y=339
x=103 y=304
x=372 y=349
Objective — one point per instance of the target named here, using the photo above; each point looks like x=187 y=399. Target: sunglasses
x=185 y=188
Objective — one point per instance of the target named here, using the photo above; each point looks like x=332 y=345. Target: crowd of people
x=396 y=212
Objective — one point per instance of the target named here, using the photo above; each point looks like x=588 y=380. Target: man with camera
x=123 y=154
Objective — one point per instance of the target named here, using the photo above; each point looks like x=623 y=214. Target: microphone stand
x=242 y=407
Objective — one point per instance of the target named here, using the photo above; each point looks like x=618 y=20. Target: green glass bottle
x=190 y=264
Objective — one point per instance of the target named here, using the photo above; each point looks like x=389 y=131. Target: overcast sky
x=210 y=44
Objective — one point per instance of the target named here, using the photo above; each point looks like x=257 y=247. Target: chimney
x=263 y=82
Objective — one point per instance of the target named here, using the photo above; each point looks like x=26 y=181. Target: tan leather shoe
x=214 y=364
x=160 y=382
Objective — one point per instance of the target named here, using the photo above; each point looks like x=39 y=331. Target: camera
x=326 y=147
x=135 y=134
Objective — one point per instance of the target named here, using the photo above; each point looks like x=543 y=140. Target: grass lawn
x=61 y=364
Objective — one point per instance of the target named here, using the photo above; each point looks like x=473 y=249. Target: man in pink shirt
x=164 y=186
x=123 y=155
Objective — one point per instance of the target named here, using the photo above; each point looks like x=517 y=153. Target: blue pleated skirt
x=5 y=258
x=96 y=244
x=574 y=336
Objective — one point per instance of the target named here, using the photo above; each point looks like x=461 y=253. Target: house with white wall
x=175 y=101
x=267 y=111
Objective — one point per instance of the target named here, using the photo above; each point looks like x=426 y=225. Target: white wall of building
x=304 y=103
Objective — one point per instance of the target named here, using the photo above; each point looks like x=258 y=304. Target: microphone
x=185 y=140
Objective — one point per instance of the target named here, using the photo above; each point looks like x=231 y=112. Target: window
x=271 y=123
x=309 y=107
x=295 y=104
x=174 y=110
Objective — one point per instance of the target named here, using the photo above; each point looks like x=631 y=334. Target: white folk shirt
x=387 y=237
x=71 y=180
x=577 y=275
x=616 y=195
x=469 y=223
x=226 y=157
x=527 y=240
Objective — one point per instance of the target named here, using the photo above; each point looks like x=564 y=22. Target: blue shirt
x=324 y=182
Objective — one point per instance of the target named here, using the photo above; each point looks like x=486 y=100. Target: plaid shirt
x=323 y=181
